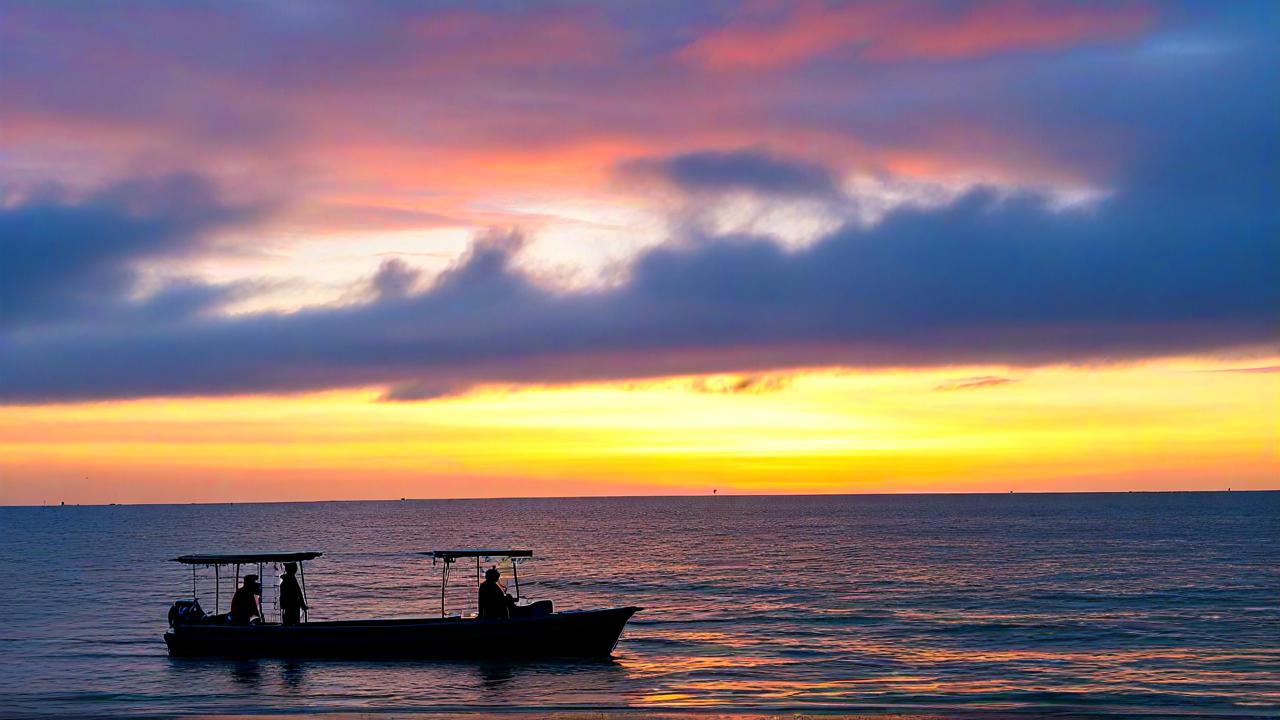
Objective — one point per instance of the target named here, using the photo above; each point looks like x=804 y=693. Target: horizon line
x=620 y=497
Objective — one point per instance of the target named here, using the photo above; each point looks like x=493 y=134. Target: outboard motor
x=540 y=608
x=185 y=612
x=534 y=609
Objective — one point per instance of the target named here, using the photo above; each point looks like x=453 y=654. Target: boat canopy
x=247 y=558
x=451 y=555
x=218 y=561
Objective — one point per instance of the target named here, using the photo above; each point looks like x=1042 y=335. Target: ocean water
x=1090 y=604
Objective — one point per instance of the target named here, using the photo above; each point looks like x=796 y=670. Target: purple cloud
x=983 y=280
x=749 y=170
x=73 y=259
x=974 y=383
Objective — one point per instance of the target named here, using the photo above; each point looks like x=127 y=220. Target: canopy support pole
x=302 y=571
x=515 y=577
x=193 y=584
x=444 y=583
x=217 y=590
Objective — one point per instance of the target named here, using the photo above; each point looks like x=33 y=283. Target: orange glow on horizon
x=1159 y=426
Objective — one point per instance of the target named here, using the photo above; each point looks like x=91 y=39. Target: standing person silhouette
x=244 y=604
x=292 y=601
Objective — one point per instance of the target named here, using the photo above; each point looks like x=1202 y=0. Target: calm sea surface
x=1160 y=604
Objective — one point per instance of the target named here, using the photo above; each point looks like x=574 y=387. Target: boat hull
x=582 y=633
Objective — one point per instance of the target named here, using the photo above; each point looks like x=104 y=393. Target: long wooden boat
x=532 y=631
x=574 y=633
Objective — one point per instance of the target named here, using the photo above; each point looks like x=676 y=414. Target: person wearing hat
x=494 y=602
x=292 y=602
x=244 y=604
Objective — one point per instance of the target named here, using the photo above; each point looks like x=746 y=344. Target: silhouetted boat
x=534 y=630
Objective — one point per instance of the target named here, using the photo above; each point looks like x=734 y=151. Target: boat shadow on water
x=293 y=673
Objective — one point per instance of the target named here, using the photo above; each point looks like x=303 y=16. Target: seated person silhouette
x=244 y=604
x=494 y=602
x=292 y=602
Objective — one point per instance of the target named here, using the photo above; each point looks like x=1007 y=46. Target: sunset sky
x=328 y=250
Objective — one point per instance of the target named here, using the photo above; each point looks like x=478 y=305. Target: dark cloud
x=987 y=279
x=176 y=300
x=418 y=390
x=395 y=279
x=64 y=258
x=1249 y=370
x=741 y=384
x=749 y=170
x=974 y=383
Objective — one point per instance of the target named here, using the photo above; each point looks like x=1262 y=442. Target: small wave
x=112 y=641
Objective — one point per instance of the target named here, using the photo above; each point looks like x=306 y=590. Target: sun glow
x=1172 y=425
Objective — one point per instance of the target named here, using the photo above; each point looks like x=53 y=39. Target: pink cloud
x=777 y=38
x=447 y=110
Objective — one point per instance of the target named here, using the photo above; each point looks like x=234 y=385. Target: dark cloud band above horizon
x=983 y=280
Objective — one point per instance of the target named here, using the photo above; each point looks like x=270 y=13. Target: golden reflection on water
x=662 y=665
x=1128 y=673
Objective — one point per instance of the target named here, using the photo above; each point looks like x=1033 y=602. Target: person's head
x=290 y=568
x=492 y=574
x=251 y=582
